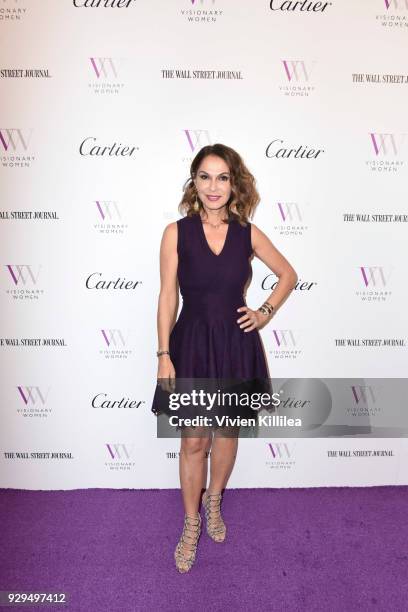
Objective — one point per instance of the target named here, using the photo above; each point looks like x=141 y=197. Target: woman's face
x=213 y=182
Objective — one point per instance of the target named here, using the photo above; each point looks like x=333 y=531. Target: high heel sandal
x=212 y=503
x=183 y=556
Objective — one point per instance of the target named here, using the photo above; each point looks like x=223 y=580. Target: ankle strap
x=188 y=519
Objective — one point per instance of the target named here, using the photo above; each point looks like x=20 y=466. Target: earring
x=196 y=205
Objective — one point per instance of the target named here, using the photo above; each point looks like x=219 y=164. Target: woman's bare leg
x=223 y=454
x=193 y=466
x=193 y=477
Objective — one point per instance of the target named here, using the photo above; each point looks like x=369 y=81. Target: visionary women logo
x=194 y=140
x=290 y=218
x=396 y=14
x=25 y=281
x=13 y=11
x=204 y=11
x=387 y=148
x=115 y=344
x=281 y=455
x=15 y=143
x=297 y=78
x=375 y=283
x=108 y=218
x=34 y=401
x=286 y=344
x=120 y=456
x=105 y=73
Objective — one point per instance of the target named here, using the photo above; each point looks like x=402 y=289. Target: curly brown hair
x=244 y=195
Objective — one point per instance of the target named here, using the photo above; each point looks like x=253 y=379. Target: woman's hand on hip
x=252 y=319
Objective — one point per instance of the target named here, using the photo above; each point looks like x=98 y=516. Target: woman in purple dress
x=207 y=255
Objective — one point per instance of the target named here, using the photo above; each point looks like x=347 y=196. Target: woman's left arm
x=271 y=257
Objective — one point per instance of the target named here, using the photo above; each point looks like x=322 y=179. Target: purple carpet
x=287 y=549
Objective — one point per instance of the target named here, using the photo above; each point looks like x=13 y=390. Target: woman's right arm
x=168 y=298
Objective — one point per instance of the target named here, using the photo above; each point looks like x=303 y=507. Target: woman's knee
x=193 y=446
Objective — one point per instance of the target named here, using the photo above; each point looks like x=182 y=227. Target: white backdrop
x=164 y=79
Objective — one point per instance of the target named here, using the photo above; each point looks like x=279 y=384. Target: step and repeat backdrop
x=104 y=103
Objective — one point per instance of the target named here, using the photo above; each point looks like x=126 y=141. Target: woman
x=208 y=252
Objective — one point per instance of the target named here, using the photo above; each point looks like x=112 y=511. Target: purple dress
x=206 y=341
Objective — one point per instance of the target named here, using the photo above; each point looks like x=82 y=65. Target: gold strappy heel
x=216 y=528
x=184 y=556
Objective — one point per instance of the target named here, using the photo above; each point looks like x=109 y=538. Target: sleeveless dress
x=206 y=340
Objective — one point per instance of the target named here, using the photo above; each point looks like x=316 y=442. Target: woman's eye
x=224 y=178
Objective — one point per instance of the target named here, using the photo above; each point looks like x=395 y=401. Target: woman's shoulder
x=172 y=227
x=186 y=220
x=175 y=231
x=245 y=226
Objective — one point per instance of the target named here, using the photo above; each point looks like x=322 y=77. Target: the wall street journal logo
x=277 y=149
x=206 y=75
x=194 y=140
x=359 y=453
x=297 y=78
x=13 y=11
x=25 y=73
x=380 y=79
x=394 y=14
x=33 y=401
x=23 y=281
x=119 y=457
x=32 y=342
x=370 y=342
x=285 y=344
x=30 y=215
x=114 y=343
x=374 y=283
x=289 y=218
x=108 y=218
x=16 y=147
x=38 y=455
x=387 y=151
x=104 y=74
x=304 y=6
x=202 y=11
x=374 y=218
x=280 y=455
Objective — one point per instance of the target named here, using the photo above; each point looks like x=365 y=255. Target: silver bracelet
x=158 y=353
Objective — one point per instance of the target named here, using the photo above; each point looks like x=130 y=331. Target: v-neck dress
x=206 y=340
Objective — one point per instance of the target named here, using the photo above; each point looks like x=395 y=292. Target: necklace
x=212 y=224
